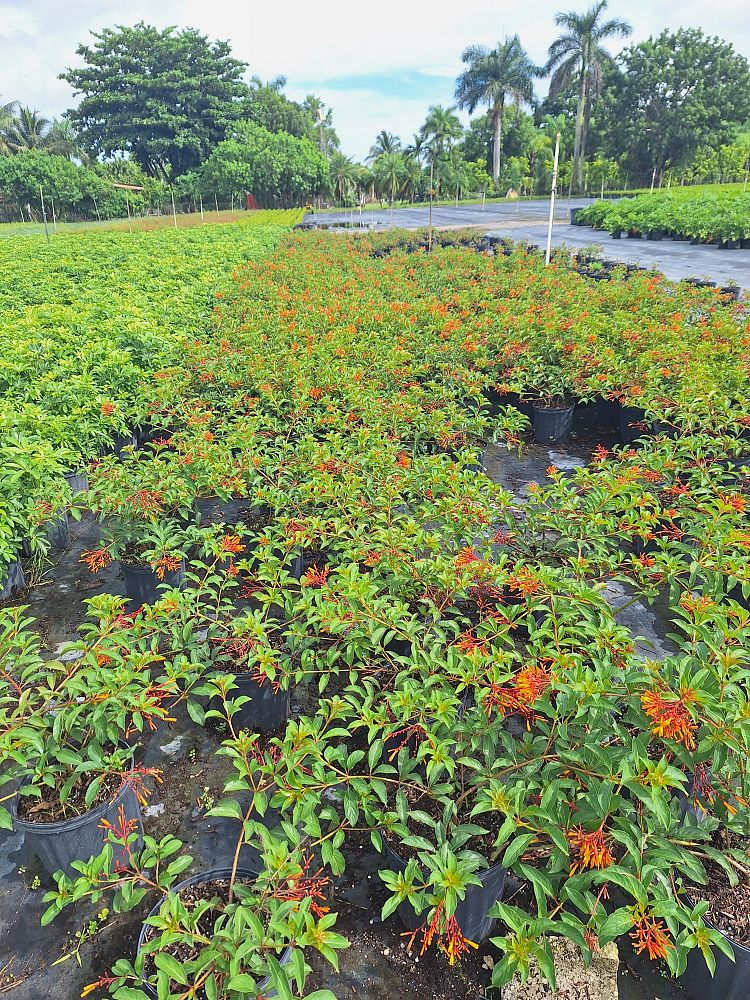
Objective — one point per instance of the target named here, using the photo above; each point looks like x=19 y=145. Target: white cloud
x=316 y=45
x=16 y=23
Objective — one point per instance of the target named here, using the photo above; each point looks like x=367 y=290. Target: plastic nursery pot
x=12 y=580
x=730 y=981
x=142 y=584
x=630 y=416
x=617 y=234
x=574 y=212
x=212 y=875
x=731 y=292
x=552 y=425
x=58 y=845
x=471 y=912
x=58 y=532
x=77 y=481
x=267 y=710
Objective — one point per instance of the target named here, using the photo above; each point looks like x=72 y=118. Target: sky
x=377 y=65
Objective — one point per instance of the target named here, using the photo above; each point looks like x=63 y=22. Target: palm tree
x=459 y=176
x=388 y=173
x=28 y=131
x=7 y=120
x=578 y=54
x=343 y=172
x=413 y=174
x=492 y=77
x=440 y=130
x=385 y=142
x=63 y=140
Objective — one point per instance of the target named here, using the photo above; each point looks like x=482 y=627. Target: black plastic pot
x=471 y=912
x=552 y=425
x=574 y=213
x=58 y=845
x=142 y=584
x=267 y=709
x=731 y=292
x=730 y=981
x=729 y=245
x=12 y=580
x=616 y=234
x=213 y=875
x=654 y=234
x=58 y=532
x=607 y=414
x=77 y=481
x=629 y=416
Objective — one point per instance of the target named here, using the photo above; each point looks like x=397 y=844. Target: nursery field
x=386 y=620
x=708 y=216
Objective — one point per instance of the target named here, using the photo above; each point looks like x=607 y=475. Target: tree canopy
x=167 y=97
x=672 y=95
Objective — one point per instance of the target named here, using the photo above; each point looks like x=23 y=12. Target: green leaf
x=171 y=966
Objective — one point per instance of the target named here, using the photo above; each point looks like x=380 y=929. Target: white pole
x=174 y=210
x=54 y=217
x=552 y=199
x=201 y=208
x=653 y=178
x=127 y=202
x=44 y=213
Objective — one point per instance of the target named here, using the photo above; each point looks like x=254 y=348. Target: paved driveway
x=527 y=220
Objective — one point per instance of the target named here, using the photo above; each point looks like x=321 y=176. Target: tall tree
x=494 y=77
x=578 y=54
x=167 y=97
x=343 y=171
x=676 y=93
x=385 y=143
x=441 y=129
x=28 y=130
x=389 y=174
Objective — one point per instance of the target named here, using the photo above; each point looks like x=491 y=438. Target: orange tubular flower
x=671 y=719
x=649 y=934
x=590 y=849
x=232 y=544
x=96 y=559
x=107 y=409
x=165 y=564
x=531 y=683
x=315 y=577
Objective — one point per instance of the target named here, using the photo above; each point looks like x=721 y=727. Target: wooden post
x=216 y=202
x=201 y=199
x=232 y=203
x=174 y=210
x=96 y=207
x=127 y=202
x=44 y=213
x=552 y=199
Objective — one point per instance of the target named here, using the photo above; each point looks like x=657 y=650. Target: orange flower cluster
x=165 y=564
x=146 y=502
x=232 y=544
x=306 y=887
x=451 y=941
x=315 y=577
x=649 y=934
x=671 y=719
x=524 y=582
x=96 y=559
x=107 y=408
x=527 y=686
x=590 y=849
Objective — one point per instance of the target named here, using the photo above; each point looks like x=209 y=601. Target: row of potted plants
x=482 y=714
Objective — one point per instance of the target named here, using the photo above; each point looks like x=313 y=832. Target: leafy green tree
x=166 y=97
x=441 y=129
x=675 y=94
x=266 y=106
x=493 y=77
x=27 y=130
x=385 y=143
x=343 y=172
x=414 y=178
x=389 y=174
x=280 y=170
x=578 y=54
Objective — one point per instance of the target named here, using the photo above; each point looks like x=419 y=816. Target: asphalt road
x=527 y=221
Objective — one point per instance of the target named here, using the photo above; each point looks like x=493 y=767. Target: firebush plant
x=469 y=696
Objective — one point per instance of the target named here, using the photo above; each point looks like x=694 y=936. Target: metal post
x=97 y=208
x=216 y=202
x=429 y=235
x=232 y=202
x=653 y=178
x=44 y=213
x=552 y=199
x=174 y=210
x=127 y=202
x=201 y=199
x=54 y=217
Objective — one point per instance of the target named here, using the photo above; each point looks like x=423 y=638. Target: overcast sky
x=379 y=65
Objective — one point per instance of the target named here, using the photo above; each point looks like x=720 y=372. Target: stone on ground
x=575 y=981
